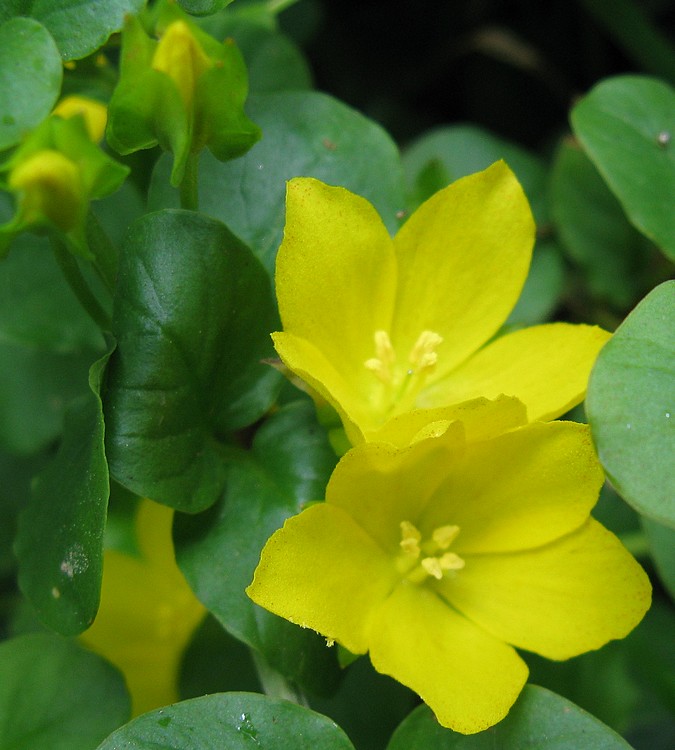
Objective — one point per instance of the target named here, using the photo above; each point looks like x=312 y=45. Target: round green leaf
x=54 y=694
x=192 y=317
x=203 y=7
x=60 y=540
x=289 y=465
x=631 y=406
x=593 y=228
x=539 y=720
x=444 y=155
x=627 y=126
x=30 y=77
x=305 y=134
x=81 y=28
x=229 y=720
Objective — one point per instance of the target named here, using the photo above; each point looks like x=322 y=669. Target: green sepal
x=65 y=210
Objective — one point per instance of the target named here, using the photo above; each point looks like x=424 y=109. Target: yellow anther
x=432 y=565
x=423 y=354
x=451 y=561
x=385 y=356
x=410 y=539
x=444 y=536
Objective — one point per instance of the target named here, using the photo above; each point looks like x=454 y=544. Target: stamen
x=384 y=359
x=410 y=539
x=444 y=536
x=451 y=561
x=432 y=565
x=423 y=354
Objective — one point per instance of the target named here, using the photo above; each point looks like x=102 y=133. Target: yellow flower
x=438 y=559
x=148 y=612
x=379 y=327
x=94 y=114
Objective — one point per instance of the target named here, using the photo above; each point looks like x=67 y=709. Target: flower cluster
x=457 y=528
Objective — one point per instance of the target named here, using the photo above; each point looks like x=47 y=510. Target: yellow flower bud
x=95 y=114
x=181 y=57
x=49 y=187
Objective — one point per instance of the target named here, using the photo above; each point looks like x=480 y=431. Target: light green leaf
x=79 y=28
x=192 y=317
x=593 y=228
x=60 y=540
x=56 y=695
x=203 y=7
x=539 y=720
x=289 y=465
x=631 y=406
x=30 y=77
x=627 y=126
x=235 y=721
x=305 y=134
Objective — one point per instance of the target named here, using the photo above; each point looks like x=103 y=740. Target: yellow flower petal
x=95 y=114
x=380 y=486
x=547 y=367
x=561 y=600
x=468 y=678
x=147 y=614
x=335 y=276
x=322 y=571
x=481 y=418
x=463 y=257
x=520 y=490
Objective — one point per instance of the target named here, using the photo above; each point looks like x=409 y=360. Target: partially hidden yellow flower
x=148 y=612
x=440 y=559
x=379 y=327
x=94 y=113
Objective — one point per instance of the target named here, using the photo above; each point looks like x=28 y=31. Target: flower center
x=419 y=560
x=402 y=383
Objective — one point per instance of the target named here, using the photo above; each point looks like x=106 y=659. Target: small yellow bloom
x=148 y=612
x=179 y=55
x=380 y=327
x=94 y=113
x=442 y=558
x=49 y=186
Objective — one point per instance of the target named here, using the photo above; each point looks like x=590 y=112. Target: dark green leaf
x=229 y=720
x=288 y=466
x=274 y=62
x=30 y=77
x=540 y=720
x=305 y=134
x=37 y=307
x=627 y=126
x=35 y=387
x=593 y=228
x=60 y=539
x=192 y=318
x=630 y=406
x=79 y=28
x=55 y=695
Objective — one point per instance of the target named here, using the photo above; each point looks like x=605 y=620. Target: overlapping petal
x=523 y=489
x=463 y=257
x=469 y=678
x=565 y=598
x=547 y=367
x=323 y=571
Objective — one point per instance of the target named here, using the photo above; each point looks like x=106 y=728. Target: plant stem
x=274 y=684
x=75 y=279
x=189 y=187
